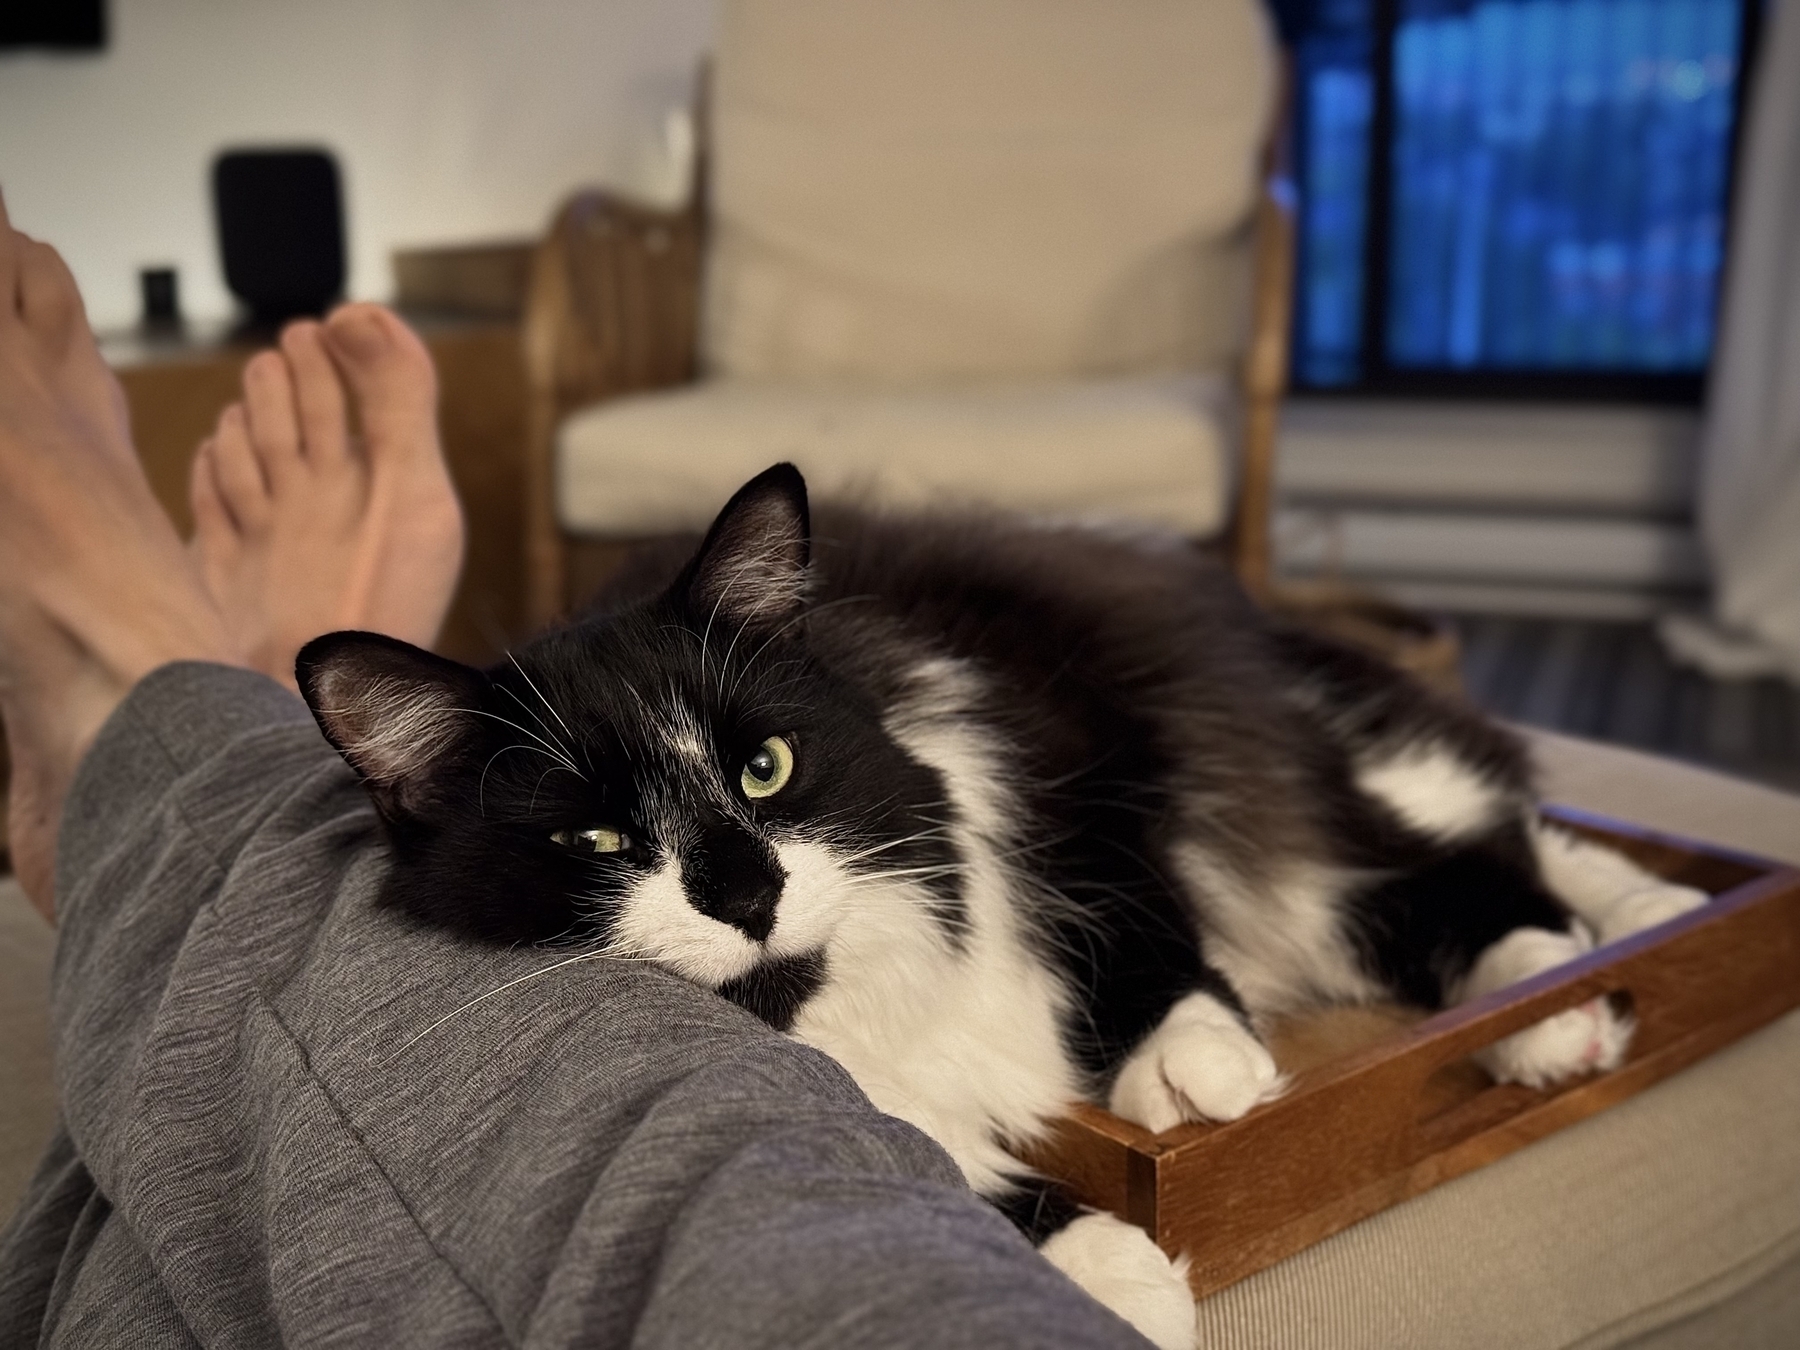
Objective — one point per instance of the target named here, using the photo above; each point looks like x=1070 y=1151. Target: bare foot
x=95 y=589
x=301 y=526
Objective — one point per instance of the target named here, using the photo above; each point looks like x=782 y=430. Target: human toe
x=272 y=415
x=214 y=527
x=318 y=395
x=48 y=300
x=364 y=331
x=44 y=310
x=386 y=364
x=237 y=471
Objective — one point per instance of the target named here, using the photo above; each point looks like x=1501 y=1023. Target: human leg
x=95 y=589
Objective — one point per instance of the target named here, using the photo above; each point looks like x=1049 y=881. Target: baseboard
x=1489 y=547
x=1595 y=460
x=1616 y=604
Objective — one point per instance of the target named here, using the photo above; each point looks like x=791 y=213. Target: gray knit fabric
x=267 y=1140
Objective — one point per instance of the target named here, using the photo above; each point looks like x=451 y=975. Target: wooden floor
x=1613 y=682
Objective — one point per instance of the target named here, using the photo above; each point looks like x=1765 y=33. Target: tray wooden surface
x=1385 y=1104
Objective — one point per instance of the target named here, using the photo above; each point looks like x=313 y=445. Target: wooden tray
x=1376 y=1123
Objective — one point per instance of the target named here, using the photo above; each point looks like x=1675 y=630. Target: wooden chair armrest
x=613 y=308
x=1264 y=382
x=614 y=300
x=1264 y=376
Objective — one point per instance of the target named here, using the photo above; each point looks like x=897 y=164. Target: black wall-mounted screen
x=63 y=25
x=1514 y=197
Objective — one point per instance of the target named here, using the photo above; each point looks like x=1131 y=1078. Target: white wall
x=452 y=120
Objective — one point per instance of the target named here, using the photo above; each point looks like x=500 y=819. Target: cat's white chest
x=962 y=1042
x=961 y=1037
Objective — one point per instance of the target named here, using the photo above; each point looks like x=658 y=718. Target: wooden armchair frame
x=614 y=308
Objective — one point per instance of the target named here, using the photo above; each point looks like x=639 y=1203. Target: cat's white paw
x=1646 y=908
x=1121 y=1268
x=1589 y=1039
x=1202 y=1063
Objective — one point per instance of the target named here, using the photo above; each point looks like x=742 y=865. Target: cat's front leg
x=1612 y=895
x=1203 y=1062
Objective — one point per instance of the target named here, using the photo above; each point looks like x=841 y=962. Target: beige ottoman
x=1672 y=1220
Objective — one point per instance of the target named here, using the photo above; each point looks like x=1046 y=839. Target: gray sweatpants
x=264 y=1142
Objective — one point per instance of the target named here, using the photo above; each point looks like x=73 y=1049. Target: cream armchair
x=1000 y=251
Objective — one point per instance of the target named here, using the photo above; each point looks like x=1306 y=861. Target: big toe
x=47 y=298
x=46 y=303
x=387 y=367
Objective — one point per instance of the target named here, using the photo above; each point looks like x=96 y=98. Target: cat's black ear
x=398 y=714
x=751 y=569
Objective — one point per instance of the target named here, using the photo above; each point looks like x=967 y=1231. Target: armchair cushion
x=1150 y=450
x=1001 y=188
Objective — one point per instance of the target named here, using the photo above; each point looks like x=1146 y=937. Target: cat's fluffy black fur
x=1083 y=759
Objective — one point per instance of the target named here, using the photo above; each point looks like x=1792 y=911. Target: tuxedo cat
x=1000 y=814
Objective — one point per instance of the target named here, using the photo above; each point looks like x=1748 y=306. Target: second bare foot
x=304 y=527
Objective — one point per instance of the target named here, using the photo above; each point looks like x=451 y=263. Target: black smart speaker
x=281 y=230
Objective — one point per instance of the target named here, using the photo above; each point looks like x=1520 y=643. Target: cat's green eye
x=597 y=840
x=767 y=771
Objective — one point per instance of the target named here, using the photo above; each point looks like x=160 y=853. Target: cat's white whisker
x=481 y=783
x=512 y=984
x=554 y=768
x=731 y=581
x=922 y=837
x=810 y=611
x=566 y=747
x=549 y=706
x=548 y=747
x=890 y=874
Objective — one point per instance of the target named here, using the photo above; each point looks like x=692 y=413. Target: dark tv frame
x=1589 y=384
x=54 y=26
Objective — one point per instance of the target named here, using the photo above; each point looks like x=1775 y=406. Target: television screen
x=70 y=25
x=1503 y=196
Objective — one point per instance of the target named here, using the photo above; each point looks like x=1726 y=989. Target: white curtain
x=1750 y=454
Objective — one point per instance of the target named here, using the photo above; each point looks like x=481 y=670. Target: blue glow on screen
x=1333 y=60
x=1558 y=179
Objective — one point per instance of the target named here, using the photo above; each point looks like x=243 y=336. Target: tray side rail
x=1366 y=1131
x=1356 y=1138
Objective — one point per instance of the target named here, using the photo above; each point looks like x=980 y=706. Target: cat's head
x=686 y=780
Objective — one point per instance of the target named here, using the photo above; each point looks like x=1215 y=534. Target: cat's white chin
x=658 y=922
